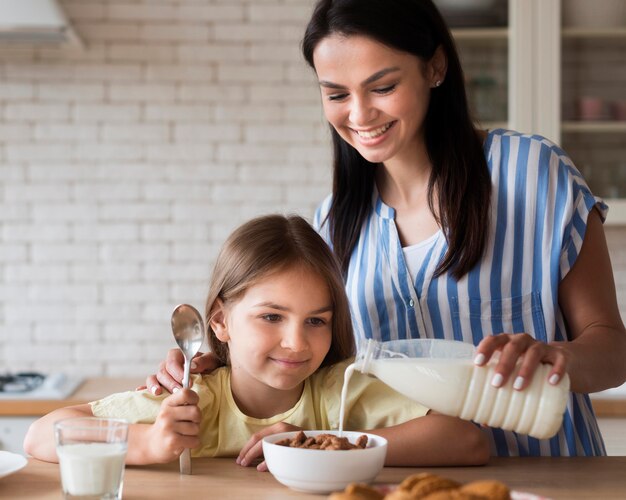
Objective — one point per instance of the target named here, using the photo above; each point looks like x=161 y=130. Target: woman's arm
x=434 y=440
x=170 y=373
x=594 y=355
x=588 y=300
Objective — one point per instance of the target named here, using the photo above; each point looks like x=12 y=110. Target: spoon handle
x=186 y=368
x=185 y=457
x=185 y=461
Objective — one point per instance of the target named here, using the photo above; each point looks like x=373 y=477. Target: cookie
x=489 y=489
x=413 y=479
x=399 y=494
x=429 y=485
x=454 y=494
x=357 y=491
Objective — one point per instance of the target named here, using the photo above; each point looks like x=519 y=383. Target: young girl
x=278 y=318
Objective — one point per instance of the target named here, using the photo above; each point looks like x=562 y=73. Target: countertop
x=98 y=387
x=555 y=478
x=90 y=390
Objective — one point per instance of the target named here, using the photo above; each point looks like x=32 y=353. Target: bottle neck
x=365 y=354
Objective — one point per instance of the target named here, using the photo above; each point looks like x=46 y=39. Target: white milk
x=92 y=469
x=459 y=388
x=344 y=394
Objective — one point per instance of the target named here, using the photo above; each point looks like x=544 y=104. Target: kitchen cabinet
x=593 y=128
x=566 y=83
x=12 y=432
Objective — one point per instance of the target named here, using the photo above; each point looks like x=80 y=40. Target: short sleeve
x=137 y=407
x=320 y=220
x=142 y=407
x=578 y=201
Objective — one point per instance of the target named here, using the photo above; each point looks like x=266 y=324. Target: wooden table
x=557 y=478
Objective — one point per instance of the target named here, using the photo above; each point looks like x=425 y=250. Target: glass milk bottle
x=441 y=375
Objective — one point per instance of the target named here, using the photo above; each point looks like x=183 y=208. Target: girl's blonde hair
x=269 y=244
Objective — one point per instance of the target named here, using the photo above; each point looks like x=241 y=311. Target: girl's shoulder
x=211 y=387
x=331 y=372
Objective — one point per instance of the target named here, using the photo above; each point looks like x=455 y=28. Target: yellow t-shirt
x=224 y=429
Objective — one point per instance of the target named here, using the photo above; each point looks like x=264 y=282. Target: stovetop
x=34 y=385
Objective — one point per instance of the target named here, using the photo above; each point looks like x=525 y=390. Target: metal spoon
x=188 y=329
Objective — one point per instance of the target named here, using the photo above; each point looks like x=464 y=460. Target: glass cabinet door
x=555 y=68
x=593 y=77
x=480 y=30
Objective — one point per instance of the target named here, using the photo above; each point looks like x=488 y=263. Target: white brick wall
x=124 y=166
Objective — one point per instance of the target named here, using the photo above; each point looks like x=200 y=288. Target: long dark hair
x=460 y=175
x=269 y=244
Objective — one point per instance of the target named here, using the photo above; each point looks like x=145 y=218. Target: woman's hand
x=170 y=374
x=177 y=427
x=530 y=352
x=254 y=447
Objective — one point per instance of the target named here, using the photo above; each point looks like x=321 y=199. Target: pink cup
x=592 y=108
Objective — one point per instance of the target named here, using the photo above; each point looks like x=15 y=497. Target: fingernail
x=554 y=379
x=193 y=365
x=519 y=382
x=497 y=379
x=154 y=389
x=175 y=390
x=238 y=461
x=243 y=462
x=479 y=359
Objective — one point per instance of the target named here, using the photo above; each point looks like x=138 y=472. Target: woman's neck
x=258 y=400
x=404 y=183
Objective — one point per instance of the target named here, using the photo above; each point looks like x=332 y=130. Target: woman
x=446 y=231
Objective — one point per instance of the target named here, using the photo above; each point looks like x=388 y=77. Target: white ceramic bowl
x=323 y=471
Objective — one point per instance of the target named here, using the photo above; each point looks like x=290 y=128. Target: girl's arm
x=434 y=440
x=176 y=428
x=431 y=440
x=39 y=441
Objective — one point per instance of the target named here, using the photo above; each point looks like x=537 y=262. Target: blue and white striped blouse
x=540 y=205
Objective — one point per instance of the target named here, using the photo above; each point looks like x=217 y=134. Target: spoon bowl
x=188 y=329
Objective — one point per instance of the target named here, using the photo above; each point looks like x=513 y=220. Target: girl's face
x=280 y=331
x=375 y=97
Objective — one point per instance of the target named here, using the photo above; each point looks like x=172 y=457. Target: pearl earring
x=437 y=83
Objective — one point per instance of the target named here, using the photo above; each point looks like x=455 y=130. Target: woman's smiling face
x=374 y=96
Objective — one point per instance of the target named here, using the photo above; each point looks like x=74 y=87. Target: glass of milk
x=91 y=457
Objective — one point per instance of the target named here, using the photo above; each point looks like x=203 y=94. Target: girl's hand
x=254 y=447
x=521 y=346
x=177 y=427
x=170 y=374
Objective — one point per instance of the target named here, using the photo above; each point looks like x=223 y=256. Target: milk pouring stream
x=441 y=375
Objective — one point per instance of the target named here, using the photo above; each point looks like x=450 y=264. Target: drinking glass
x=91 y=455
